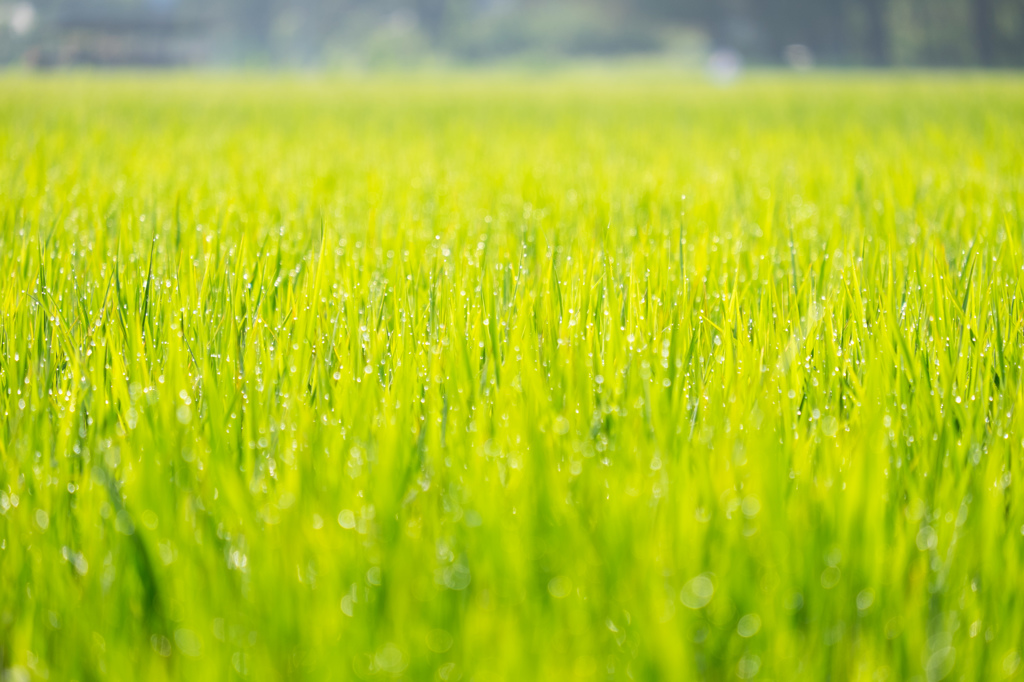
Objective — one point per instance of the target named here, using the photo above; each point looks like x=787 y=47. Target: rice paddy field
x=494 y=376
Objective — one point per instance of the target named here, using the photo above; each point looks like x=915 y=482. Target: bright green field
x=492 y=377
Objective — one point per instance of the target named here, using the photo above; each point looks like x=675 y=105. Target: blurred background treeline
x=382 y=33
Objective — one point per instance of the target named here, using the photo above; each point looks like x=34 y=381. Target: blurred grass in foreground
x=486 y=378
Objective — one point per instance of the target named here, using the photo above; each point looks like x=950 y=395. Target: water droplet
x=748 y=667
x=749 y=625
x=456 y=577
x=188 y=642
x=698 y=592
x=560 y=587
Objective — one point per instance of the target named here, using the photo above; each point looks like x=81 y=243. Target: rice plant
x=511 y=377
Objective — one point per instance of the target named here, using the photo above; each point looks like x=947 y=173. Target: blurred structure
x=724 y=65
x=798 y=57
x=117 y=35
x=800 y=33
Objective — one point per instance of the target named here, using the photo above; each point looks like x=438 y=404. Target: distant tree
x=431 y=16
x=877 y=32
x=983 y=14
x=255 y=18
x=821 y=26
